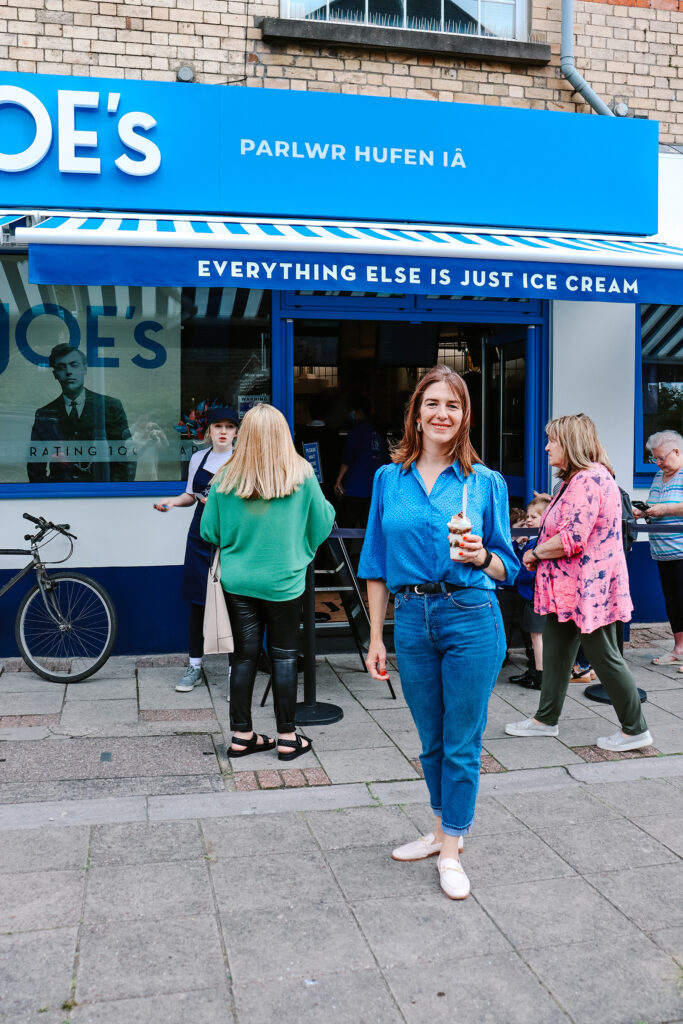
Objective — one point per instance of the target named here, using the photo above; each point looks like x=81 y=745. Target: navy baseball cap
x=222 y=412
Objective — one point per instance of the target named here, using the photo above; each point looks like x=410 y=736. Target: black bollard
x=312 y=711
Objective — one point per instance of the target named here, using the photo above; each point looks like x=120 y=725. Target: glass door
x=503 y=418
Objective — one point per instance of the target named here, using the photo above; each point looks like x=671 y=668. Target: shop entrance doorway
x=345 y=369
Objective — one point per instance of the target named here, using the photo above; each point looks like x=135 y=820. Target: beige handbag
x=217 y=628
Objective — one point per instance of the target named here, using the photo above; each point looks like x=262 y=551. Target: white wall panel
x=110 y=531
x=593 y=371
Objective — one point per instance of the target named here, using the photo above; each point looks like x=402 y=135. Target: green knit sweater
x=267 y=545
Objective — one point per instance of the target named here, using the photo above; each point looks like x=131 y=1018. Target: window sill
x=511 y=51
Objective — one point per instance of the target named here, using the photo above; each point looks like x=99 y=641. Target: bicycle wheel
x=68 y=634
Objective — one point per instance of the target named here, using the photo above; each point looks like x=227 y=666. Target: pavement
x=146 y=877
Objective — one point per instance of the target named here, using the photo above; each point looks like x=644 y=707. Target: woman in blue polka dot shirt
x=448 y=632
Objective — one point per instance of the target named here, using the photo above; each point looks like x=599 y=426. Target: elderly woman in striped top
x=665 y=505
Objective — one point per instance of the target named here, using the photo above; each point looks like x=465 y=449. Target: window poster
x=89 y=382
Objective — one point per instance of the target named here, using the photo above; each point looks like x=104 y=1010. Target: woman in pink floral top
x=582 y=584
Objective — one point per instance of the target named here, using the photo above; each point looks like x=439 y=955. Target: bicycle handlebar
x=45 y=525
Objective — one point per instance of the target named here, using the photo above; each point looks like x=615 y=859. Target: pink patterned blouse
x=589 y=585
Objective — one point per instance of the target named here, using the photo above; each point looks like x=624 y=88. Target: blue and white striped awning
x=325 y=236
x=131 y=249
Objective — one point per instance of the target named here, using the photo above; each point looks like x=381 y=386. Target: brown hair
x=409 y=447
x=578 y=438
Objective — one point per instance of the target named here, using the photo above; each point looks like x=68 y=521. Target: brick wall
x=627 y=51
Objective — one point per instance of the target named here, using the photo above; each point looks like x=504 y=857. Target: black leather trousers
x=249 y=617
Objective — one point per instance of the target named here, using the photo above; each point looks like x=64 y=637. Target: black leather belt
x=429 y=588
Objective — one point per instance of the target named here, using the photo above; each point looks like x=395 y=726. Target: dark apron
x=197 y=551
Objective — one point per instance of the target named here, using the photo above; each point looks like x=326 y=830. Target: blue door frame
x=288 y=307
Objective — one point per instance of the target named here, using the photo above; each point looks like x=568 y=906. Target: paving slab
x=47 y=958
x=132 y=959
x=487 y=989
x=145 y=843
x=490 y=818
x=34 y=900
x=221 y=805
x=552 y=912
x=208 y=1006
x=606 y=845
x=501 y=859
x=360 y=826
x=361 y=735
x=371 y=870
x=378 y=764
x=274 y=834
x=158 y=693
x=535 y=752
x=33 y=703
x=79 y=716
x=669 y=700
x=353 y=997
x=405 y=930
x=667 y=830
x=73 y=812
x=102 y=687
x=671 y=941
x=28 y=682
x=627 y=979
x=119 y=665
x=666 y=729
x=565 y=807
x=303 y=942
x=91 y=789
x=130 y=892
x=263 y=881
x=398 y=725
x=44 y=849
x=641 y=798
x=670 y=768
x=651 y=899
x=88 y=758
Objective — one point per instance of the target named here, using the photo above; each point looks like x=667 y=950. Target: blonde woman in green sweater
x=266 y=512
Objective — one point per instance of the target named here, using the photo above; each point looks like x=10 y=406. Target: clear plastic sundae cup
x=458 y=526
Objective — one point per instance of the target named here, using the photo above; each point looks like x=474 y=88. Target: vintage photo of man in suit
x=78 y=415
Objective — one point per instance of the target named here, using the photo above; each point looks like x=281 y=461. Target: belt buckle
x=417 y=590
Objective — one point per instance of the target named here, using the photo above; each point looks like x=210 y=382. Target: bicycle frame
x=42 y=576
x=22 y=572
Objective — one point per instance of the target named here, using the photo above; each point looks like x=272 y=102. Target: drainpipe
x=568 y=66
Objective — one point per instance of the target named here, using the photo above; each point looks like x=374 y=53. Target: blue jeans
x=450 y=649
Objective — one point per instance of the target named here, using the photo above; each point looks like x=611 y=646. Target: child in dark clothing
x=532 y=622
x=508 y=598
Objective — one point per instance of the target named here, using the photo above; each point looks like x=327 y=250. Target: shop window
x=110 y=385
x=661 y=376
x=503 y=19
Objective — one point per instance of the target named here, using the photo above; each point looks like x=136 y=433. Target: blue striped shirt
x=407 y=534
x=665 y=547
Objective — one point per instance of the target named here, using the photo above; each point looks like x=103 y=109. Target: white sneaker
x=454 y=881
x=421 y=848
x=621 y=742
x=530 y=728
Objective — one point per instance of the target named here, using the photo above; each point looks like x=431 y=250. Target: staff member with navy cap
x=222 y=423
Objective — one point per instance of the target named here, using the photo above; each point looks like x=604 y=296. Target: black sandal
x=298 y=746
x=251 y=746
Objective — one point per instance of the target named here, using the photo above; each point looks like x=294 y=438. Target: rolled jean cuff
x=455 y=830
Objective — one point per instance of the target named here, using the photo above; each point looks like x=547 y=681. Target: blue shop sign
x=88 y=143
x=126 y=265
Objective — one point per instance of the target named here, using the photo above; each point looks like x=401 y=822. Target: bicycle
x=66 y=623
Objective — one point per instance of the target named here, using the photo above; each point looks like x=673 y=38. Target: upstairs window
x=500 y=19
